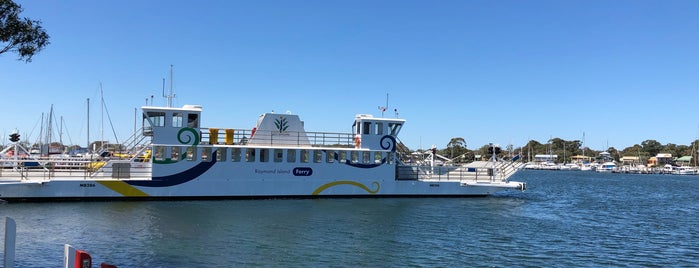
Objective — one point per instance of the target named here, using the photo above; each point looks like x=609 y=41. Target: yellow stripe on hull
x=123 y=188
x=335 y=183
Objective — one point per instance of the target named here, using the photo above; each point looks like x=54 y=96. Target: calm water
x=563 y=219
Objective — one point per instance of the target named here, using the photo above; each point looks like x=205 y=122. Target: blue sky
x=488 y=71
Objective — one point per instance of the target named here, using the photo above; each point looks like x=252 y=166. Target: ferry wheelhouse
x=173 y=157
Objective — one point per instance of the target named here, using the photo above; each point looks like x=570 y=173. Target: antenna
x=171 y=95
x=383 y=109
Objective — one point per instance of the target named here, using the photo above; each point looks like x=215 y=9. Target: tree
x=652 y=147
x=457 y=144
x=21 y=35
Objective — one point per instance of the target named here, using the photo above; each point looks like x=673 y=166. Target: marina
x=611 y=167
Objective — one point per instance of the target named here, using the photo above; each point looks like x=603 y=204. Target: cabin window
x=330 y=156
x=342 y=156
x=354 y=156
x=366 y=157
x=264 y=155
x=177 y=119
x=191 y=153
x=366 y=128
x=159 y=153
x=278 y=155
x=235 y=154
x=377 y=157
x=193 y=120
x=304 y=156
x=290 y=155
x=389 y=157
x=206 y=154
x=250 y=154
x=355 y=128
x=317 y=156
x=156 y=119
x=394 y=128
x=221 y=154
x=379 y=128
x=175 y=153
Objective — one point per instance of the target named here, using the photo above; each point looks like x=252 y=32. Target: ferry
x=173 y=157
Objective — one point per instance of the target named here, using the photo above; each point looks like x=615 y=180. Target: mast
x=41 y=136
x=49 y=130
x=385 y=107
x=171 y=95
x=60 y=132
x=88 y=125
x=101 y=118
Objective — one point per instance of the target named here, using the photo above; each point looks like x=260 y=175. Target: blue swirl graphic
x=388 y=142
x=193 y=136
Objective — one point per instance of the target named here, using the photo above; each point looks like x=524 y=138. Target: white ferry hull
x=244 y=188
x=112 y=189
x=276 y=159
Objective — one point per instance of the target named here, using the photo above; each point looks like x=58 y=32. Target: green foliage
x=456 y=149
x=652 y=147
x=21 y=35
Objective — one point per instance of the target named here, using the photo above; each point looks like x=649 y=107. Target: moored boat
x=606 y=167
x=173 y=157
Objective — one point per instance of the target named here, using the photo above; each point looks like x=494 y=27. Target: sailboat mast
x=60 y=132
x=88 y=125
x=49 y=130
x=101 y=117
x=41 y=135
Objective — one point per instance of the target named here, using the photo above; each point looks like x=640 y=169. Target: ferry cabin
x=277 y=152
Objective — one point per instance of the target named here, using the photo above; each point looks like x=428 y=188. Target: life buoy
x=357 y=141
x=252 y=133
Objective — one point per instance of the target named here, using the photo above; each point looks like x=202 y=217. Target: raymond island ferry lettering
x=272 y=171
x=303 y=171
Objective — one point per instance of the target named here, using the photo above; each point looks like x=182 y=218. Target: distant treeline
x=458 y=151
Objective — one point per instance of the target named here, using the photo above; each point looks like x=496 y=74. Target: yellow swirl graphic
x=335 y=183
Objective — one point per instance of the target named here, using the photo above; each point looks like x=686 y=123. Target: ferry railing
x=45 y=168
x=244 y=136
x=501 y=171
x=135 y=142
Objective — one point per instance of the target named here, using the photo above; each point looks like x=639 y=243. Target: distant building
x=664 y=159
x=684 y=161
x=604 y=157
x=660 y=160
x=630 y=160
x=581 y=159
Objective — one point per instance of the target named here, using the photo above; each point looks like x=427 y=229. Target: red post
x=82 y=259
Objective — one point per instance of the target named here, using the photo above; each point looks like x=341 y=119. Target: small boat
x=173 y=157
x=606 y=167
x=685 y=170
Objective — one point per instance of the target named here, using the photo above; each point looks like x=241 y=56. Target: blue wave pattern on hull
x=359 y=165
x=178 y=178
